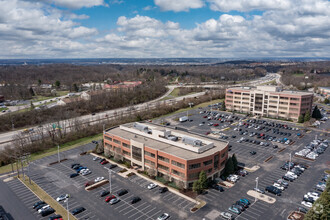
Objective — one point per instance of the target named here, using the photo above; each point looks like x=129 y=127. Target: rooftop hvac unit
x=141 y=127
x=192 y=141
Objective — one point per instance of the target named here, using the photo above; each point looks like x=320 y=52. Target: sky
x=41 y=29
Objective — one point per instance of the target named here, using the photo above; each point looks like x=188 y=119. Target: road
x=7 y=137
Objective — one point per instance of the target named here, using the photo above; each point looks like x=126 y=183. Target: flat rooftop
x=288 y=92
x=158 y=144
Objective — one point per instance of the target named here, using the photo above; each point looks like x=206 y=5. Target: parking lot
x=55 y=181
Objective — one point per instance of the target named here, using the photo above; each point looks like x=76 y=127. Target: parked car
x=40 y=206
x=259 y=190
x=38 y=203
x=288 y=178
x=135 y=199
x=74 y=175
x=163 y=216
x=273 y=190
x=234 y=210
x=307 y=204
x=113 y=166
x=122 y=192
x=104 y=193
x=152 y=185
x=108 y=198
x=114 y=201
x=98 y=179
x=95 y=142
x=74 y=164
x=302 y=209
x=77 y=210
x=226 y=215
x=47 y=212
x=217 y=187
x=253 y=152
x=62 y=197
x=55 y=217
x=163 y=189
x=104 y=162
x=96 y=158
x=43 y=208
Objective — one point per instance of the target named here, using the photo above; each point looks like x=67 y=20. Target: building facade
x=269 y=101
x=179 y=155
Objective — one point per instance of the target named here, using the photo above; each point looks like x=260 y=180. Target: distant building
x=179 y=155
x=67 y=100
x=269 y=101
x=325 y=91
x=122 y=85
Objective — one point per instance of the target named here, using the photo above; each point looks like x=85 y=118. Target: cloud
x=178 y=5
x=74 y=4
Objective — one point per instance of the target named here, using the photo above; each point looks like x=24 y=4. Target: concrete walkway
x=261 y=197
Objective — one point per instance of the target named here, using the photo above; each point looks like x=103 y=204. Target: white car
x=307 y=204
x=83 y=170
x=43 y=208
x=314 y=195
x=98 y=179
x=96 y=158
x=86 y=173
x=278 y=186
x=226 y=215
x=164 y=216
x=62 y=197
x=291 y=174
x=152 y=185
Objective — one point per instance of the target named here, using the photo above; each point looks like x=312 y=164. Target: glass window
x=178 y=164
x=194 y=166
x=163 y=159
x=137 y=153
x=126 y=145
x=149 y=154
x=208 y=162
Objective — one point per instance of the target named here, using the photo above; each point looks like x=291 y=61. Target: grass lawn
x=59 y=209
x=3 y=108
x=39 y=98
x=175 y=92
x=51 y=151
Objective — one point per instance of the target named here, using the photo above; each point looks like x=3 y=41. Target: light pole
x=58 y=153
x=290 y=161
x=67 y=207
x=257 y=182
x=29 y=173
x=110 y=179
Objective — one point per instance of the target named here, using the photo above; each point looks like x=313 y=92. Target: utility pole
x=255 y=198
x=67 y=207
x=290 y=162
x=58 y=153
x=110 y=179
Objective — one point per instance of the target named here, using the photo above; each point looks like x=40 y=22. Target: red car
x=204 y=116
x=89 y=183
x=104 y=162
x=215 y=125
x=108 y=198
x=207 y=133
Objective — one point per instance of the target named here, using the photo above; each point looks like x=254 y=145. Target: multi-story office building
x=174 y=153
x=269 y=101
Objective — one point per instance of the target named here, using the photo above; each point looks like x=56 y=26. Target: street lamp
x=67 y=207
x=58 y=153
x=290 y=161
x=257 y=182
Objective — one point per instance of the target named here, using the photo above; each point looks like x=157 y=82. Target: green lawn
x=175 y=92
x=3 y=108
x=40 y=98
x=51 y=151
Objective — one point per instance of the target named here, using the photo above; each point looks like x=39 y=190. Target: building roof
x=160 y=145
x=287 y=92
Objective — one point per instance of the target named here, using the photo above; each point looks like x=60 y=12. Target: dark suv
x=122 y=192
x=78 y=210
x=274 y=190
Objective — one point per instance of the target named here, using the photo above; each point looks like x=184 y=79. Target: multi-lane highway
x=6 y=138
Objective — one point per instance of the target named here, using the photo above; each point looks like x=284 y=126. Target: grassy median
x=59 y=209
x=51 y=151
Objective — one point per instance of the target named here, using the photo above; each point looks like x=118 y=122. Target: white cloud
x=74 y=4
x=178 y=5
x=248 y=5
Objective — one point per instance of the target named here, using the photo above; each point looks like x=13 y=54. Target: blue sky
x=164 y=28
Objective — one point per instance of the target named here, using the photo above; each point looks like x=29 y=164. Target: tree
x=326 y=101
x=223 y=106
x=203 y=179
x=316 y=113
x=197 y=187
x=31 y=105
x=75 y=87
x=307 y=117
x=301 y=119
x=235 y=163
x=31 y=91
x=57 y=84
x=229 y=167
x=39 y=82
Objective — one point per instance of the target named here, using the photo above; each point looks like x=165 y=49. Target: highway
x=6 y=138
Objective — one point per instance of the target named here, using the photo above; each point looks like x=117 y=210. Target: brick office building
x=269 y=101
x=177 y=154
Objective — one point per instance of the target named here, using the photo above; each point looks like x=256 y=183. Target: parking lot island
x=173 y=154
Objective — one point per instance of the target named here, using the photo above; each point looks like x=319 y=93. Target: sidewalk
x=146 y=178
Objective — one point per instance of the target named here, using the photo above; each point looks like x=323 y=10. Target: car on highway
x=114 y=201
x=62 y=197
x=98 y=179
x=78 y=210
x=152 y=186
x=163 y=216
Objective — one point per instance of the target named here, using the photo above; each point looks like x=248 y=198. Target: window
x=108 y=145
x=178 y=173
x=117 y=150
x=237 y=93
x=116 y=141
x=223 y=155
x=208 y=162
x=266 y=96
x=126 y=153
x=149 y=162
x=295 y=99
x=209 y=170
x=163 y=167
x=222 y=163
x=137 y=153
x=193 y=175
x=178 y=164
x=149 y=154
x=273 y=97
x=126 y=145
x=108 y=138
x=194 y=166
x=216 y=161
x=163 y=159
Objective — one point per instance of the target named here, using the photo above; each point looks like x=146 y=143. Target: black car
x=54 y=217
x=74 y=175
x=135 y=199
x=104 y=193
x=122 y=192
x=253 y=152
x=217 y=187
x=74 y=164
x=40 y=206
x=302 y=209
x=112 y=166
x=47 y=212
x=77 y=210
x=38 y=203
x=163 y=189
x=95 y=142
x=309 y=199
x=274 y=190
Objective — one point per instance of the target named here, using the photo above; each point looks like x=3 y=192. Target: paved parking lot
x=55 y=181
